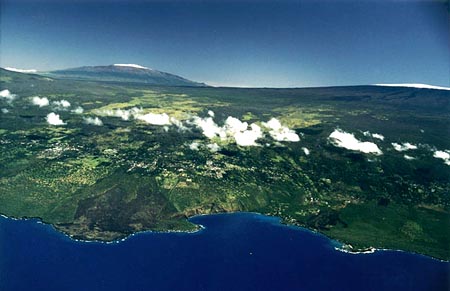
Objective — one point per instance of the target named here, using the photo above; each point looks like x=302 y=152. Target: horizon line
x=224 y=85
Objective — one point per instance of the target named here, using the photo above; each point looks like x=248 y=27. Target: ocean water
x=241 y=251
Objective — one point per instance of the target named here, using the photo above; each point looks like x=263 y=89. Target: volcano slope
x=366 y=165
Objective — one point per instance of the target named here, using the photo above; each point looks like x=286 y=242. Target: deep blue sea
x=241 y=251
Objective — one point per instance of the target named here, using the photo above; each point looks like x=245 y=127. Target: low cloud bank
x=155 y=118
x=279 y=132
x=249 y=137
x=240 y=131
x=162 y=119
x=443 y=155
x=93 y=121
x=6 y=94
x=54 y=119
x=404 y=146
x=209 y=128
x=178 y=124
x=347 y=140
x=41 y=102
x=124 y=114
x=233 y=129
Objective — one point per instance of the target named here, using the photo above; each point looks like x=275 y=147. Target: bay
x=240 y=251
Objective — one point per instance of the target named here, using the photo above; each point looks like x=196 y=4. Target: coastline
x=116 y=241
x=336 y=244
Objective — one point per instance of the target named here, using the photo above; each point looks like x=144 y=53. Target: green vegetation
x=106 y=182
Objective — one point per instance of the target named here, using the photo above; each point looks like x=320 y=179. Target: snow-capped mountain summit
x=132 y=66
x=27 y=71
x=415 y=85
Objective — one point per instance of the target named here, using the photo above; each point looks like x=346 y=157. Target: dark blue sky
x=244 y=43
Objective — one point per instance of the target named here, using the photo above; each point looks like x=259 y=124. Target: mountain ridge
x=123 y=73
x=71 y=73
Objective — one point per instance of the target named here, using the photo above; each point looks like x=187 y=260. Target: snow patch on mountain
x=27 y=71
x=132 y=66
x=412 y=85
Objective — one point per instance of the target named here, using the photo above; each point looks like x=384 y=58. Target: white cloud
x=93 y=121
x=5 y=110
x=54 y=119
x=443 y=155
x=347 y=140
x=150 y=118
x=125 y=114
x=306 y=151
x=248 y=137
x=178 y=124
x=194 y=146
x=378 y=136
x=280 y=132
x=234 y=125
x=78 y=110
x=41 y=102
x=209 y=128
x=374 y=135
x=421 y=86
x=61 y=104
x=213 y=147
x=404 y=146
x=21 y=70
x=6 y=94
x=233 y=128
x=409 y=158
x=155 y=118
x=241 y=132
